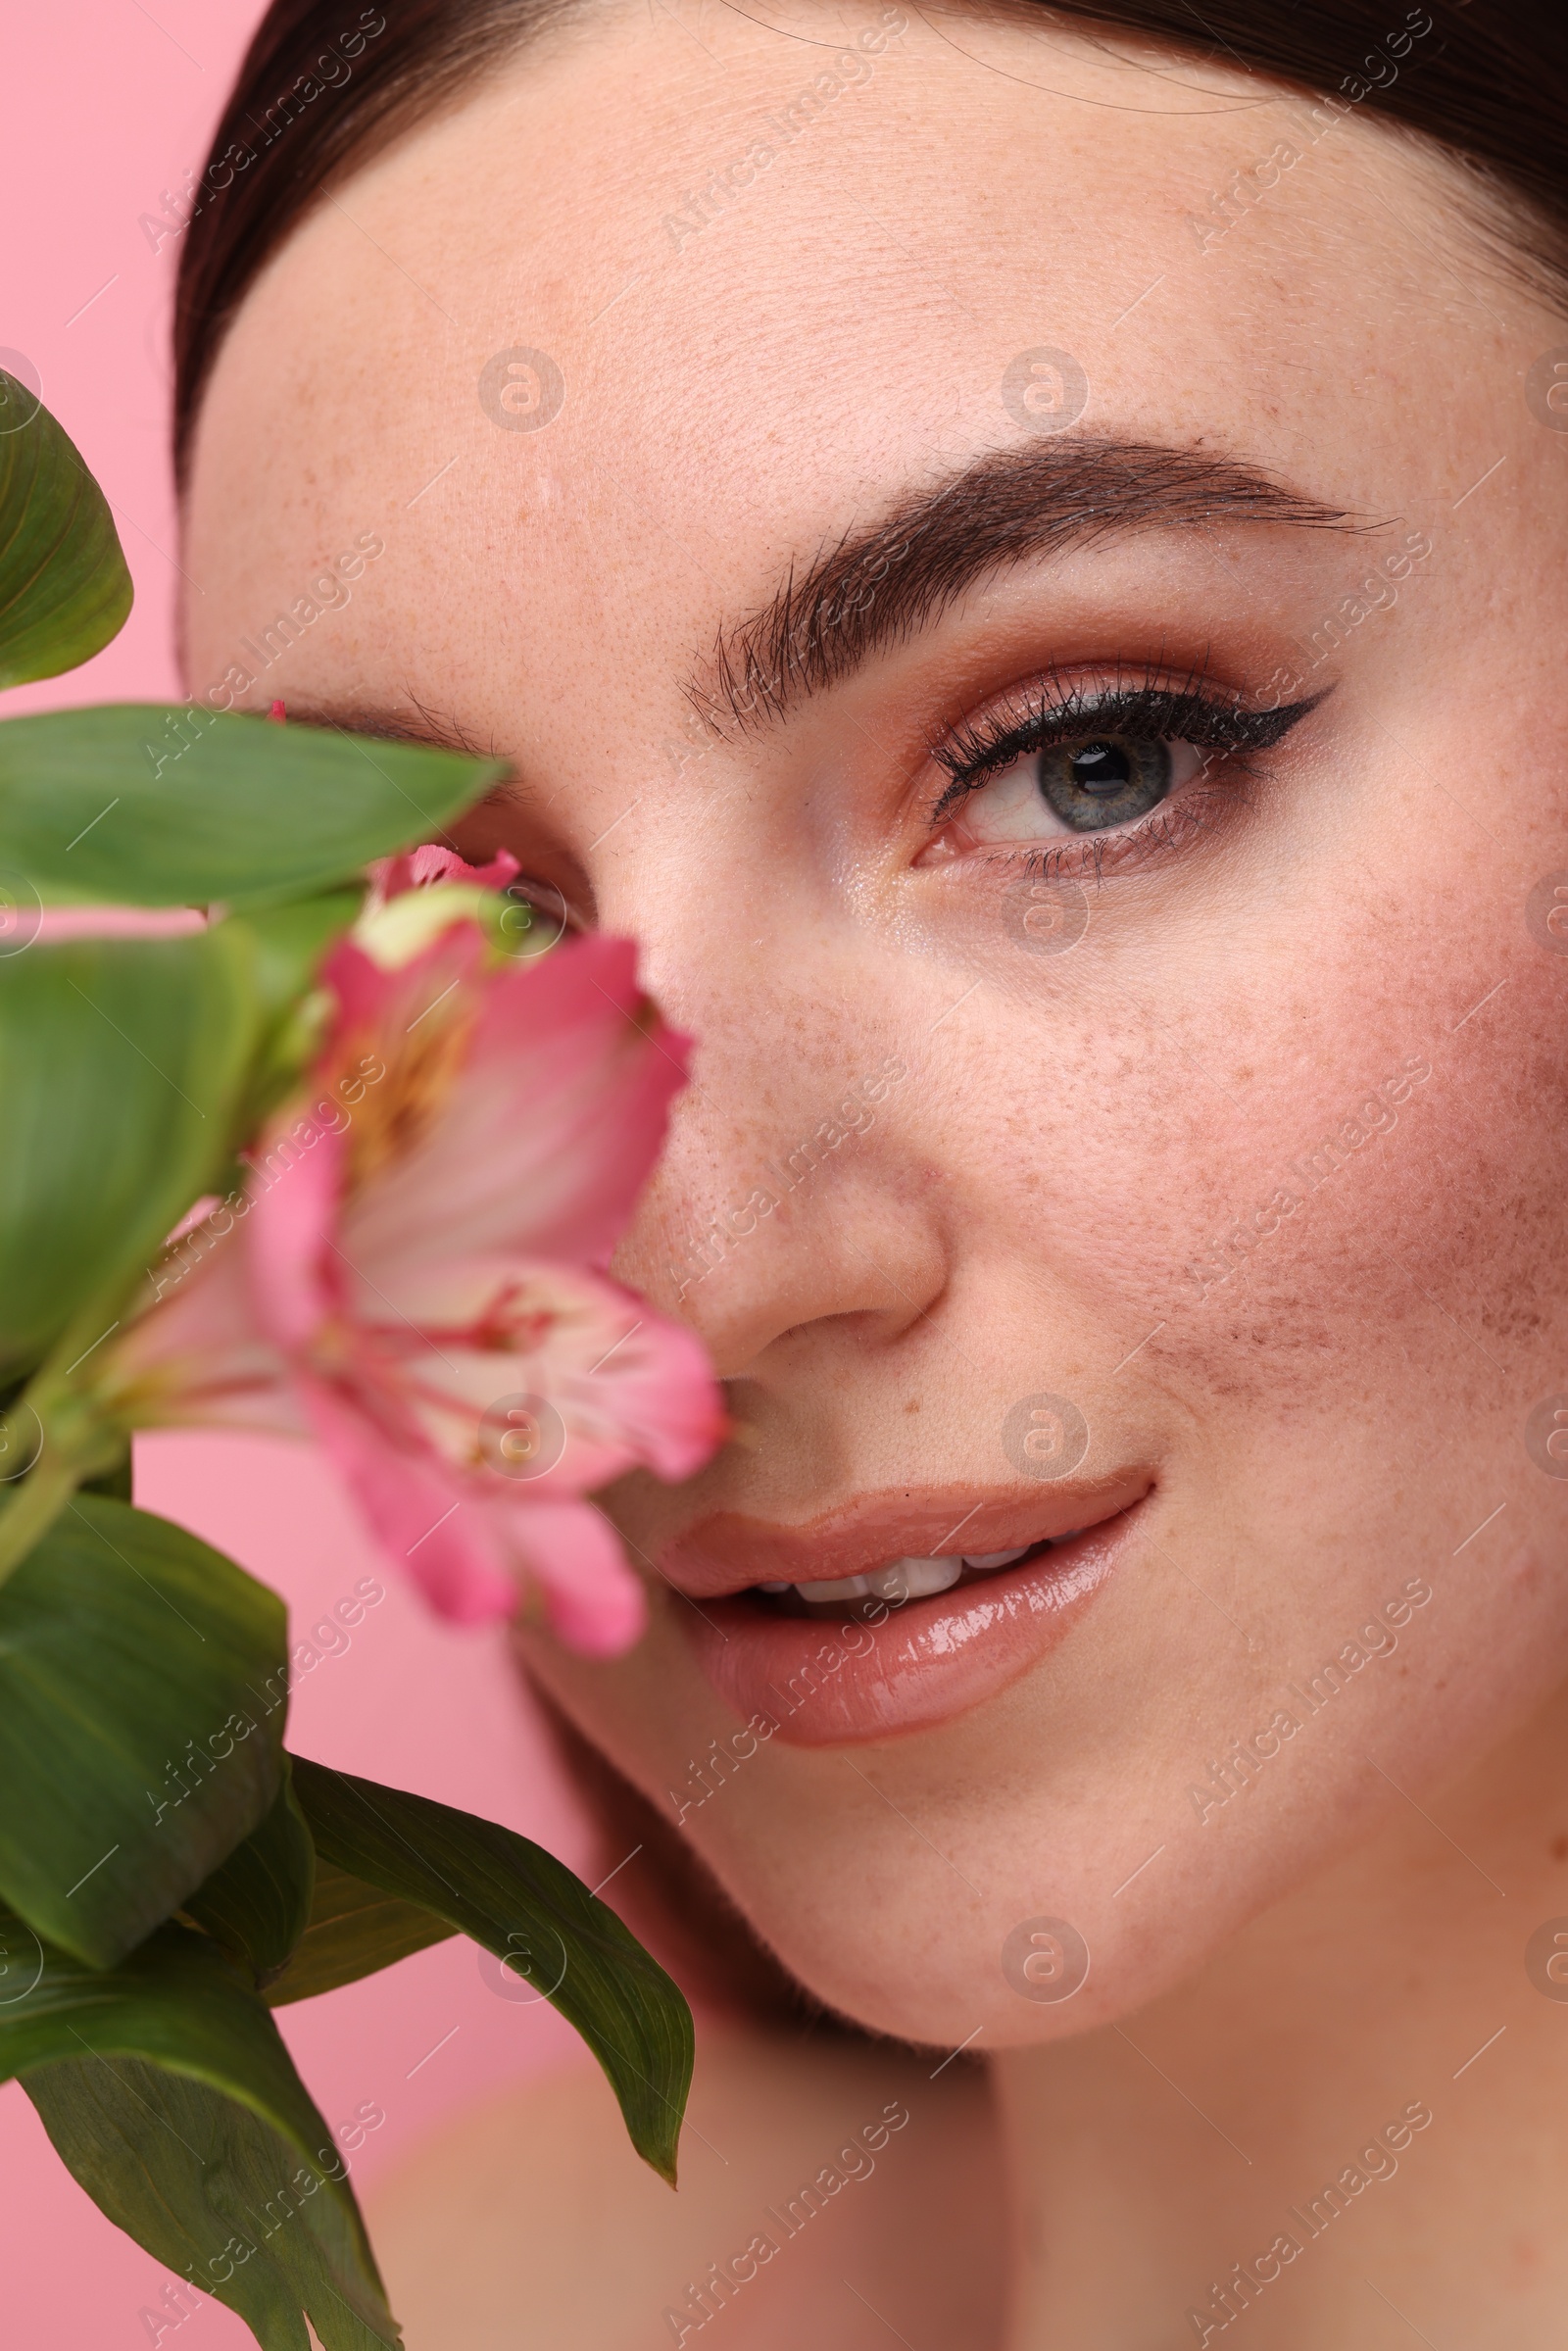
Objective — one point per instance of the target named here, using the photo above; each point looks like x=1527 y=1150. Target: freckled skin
x=1336 y=1403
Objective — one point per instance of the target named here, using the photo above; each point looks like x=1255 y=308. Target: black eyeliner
x=1146 y=714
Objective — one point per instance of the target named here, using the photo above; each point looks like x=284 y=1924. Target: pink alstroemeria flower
x=413 y=1273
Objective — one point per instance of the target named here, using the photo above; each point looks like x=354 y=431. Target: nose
x=794 y=1195
x=799 y=1195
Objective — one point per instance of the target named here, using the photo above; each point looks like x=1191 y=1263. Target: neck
x=1361 y=2102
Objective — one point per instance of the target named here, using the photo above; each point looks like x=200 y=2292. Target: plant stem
x=78 y=1440
x=32 y=1510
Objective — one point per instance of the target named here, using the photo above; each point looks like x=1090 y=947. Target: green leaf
x=188 y=807
x=527 y=1908
x=354 y=1929
x=168 y=2091
x=116 y=1481
x=129 y=1650
x=63 y=587
x=292 y=940
x=258 y=1902
x=211 y=2193
x=120 y=1062
x=291 y=943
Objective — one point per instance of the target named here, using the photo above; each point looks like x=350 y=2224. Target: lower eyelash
x=1146 y=710
x=1164 y=828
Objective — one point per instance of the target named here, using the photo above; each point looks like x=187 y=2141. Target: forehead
x=668 y=304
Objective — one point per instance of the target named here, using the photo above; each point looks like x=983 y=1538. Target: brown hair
x=315 y=97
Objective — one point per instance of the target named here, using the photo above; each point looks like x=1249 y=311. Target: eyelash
x=1058 y=710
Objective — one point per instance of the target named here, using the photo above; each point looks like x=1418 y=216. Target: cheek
x=1338 y=1403
x=1411 y=1296
x=1219 y=1153
x=896 y=1891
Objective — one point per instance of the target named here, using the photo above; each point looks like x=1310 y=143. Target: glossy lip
x=729 y=1552
x=821 y=1683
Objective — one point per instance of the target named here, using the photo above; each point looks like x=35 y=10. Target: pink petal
x=628 y=1386
x=197 y=1358
x=664 y=1402
x=592 y=1599
x=419 y=1511
x=468 y=1548
x=551 y=1128
x=429 y=863
x=390 y=1008
x=418 y=868
x=294 y=1191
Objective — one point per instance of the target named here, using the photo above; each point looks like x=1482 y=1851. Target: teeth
x=915 y=1579
x=846 y=1588
x=902 y=1579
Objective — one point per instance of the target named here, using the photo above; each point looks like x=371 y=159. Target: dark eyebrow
x=434 y=732
x=884 y=581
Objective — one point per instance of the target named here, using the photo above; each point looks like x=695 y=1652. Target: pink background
x=101 y=110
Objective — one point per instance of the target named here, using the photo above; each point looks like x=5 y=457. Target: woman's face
x=1110 y=885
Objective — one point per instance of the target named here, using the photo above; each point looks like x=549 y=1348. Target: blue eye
x=1078 y=787
x=1086 y=762
x=1112 y=780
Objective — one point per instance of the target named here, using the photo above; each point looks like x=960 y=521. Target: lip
x=822 y=1683
x=730 y=1552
